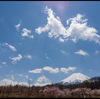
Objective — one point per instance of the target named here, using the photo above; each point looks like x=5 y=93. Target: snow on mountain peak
x=74 y=78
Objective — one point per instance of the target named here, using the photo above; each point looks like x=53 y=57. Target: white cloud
x=4 y=63
x=10 y=46
x=96 y=52
x=38 y=84
x=51 y=70
x=26 y=32
x=6 y=82
x=53 y=26
x=81 y=52
x=43 y=80
x=76 y=29
x=0 y=66
x=79 y=29
x=26 y=76
x=15 y=59
x=66 y=70
x=35 y=71
x=18 y=26
x=11 y=77
x=28 y=56
x=65 y=53
x=21 y=75
x=61 y=39
x=47 y=56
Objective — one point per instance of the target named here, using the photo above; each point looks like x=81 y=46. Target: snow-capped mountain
x=75 y=78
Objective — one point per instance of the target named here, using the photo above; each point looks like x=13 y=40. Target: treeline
x=48 y=91
x=87 y=89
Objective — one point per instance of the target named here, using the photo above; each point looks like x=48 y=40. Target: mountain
x=75 y=78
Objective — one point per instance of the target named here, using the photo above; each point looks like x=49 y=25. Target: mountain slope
x=74 y=79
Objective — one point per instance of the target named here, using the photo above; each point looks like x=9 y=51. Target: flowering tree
x=95 y=92
x=76 y=91
x=53 y=92
x=67 y=92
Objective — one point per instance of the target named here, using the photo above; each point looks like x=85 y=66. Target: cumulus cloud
x=81 y=52
x=18 y=26
x=35 y=71
x=10 y=46
x=28 y=56
x=66 y=70
x=51 y=70
x=26 y=32
x=53 y=26
x=15 y=59
x=79 y=29
x=43 y=80
x=76 y=29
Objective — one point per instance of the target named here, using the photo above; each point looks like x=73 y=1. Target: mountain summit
x=75 y=78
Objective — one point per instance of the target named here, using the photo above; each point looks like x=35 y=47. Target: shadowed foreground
x=49 y=91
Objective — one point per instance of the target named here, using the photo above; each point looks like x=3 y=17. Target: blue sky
x=47 y=41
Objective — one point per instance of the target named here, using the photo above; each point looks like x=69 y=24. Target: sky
x=46 y=41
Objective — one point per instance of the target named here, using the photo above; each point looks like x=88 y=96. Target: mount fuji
x=75 y=78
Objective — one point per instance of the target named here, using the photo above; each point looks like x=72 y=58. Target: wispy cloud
x=0 y=67
x=18 y=26
x=15 y=59
x=81 y=52
x=66 y=70
x=65 y=53
x=4 y=63
x=96 y=52
x=11 y=77
x=26 y=76
x=28 y=56
x=21 y=75
x=10 y=46
x=26 y=32
x=47 y=56
x=51 y=70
